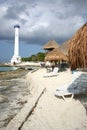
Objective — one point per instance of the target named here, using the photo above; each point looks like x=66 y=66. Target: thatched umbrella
x=78 y=49
x=55 y=55
x=52 y=44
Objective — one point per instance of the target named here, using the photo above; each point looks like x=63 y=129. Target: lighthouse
x=16 y=58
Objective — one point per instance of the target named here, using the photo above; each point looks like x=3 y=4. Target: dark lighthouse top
x=16 y=26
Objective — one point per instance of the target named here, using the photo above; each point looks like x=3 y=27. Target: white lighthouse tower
x=16 y=58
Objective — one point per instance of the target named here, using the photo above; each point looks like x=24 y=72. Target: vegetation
x=38 y=57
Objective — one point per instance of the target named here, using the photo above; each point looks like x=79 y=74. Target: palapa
x=78 y=49
x=52 y=44
x=55 y=55
x=64 y=47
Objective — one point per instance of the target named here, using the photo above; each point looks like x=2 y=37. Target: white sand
x=52 y=113
x=29 y=63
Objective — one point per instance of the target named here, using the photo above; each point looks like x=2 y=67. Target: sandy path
x=52 y=113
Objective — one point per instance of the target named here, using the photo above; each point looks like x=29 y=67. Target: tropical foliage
x=38 y=57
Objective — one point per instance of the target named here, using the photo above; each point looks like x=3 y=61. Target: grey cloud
x=14 y=11
x=60 y=15
x=44 y=39
x=2 y=1
x=7 y=33
x=80 y=5
x=77 y=2
x=43 y=20
x=11 y=14
x=42 y=35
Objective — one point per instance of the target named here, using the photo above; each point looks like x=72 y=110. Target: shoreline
x=13 y=95
x=13 y=74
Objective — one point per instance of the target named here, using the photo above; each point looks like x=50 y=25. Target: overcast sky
x=41 y=20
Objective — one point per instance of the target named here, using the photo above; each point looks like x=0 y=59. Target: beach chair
x=78 y=85
x=53 y=73
x=67 y=90
x=64 y=93
x=71 y=90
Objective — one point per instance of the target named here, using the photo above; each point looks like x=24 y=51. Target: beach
x=45 y=111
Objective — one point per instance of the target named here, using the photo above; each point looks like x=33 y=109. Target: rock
x=3 y=98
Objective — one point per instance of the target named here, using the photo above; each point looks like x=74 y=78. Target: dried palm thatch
x=52 y=44
x=55 y=55
x=65 y=47
x=78 y=49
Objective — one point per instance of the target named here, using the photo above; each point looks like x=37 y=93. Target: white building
x=16 y=58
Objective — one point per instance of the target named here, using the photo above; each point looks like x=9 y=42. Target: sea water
x=7 y=68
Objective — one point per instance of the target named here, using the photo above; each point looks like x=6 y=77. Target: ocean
x=7 y=68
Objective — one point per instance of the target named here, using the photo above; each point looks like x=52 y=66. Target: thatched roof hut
x=55 y=55
x=65 y=47
x=78 y=49
x=52 y=44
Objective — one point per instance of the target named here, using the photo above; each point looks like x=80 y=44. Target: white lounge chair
x=63 y=93
x=78 y=85
x=70 y=90
x=53 y=73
